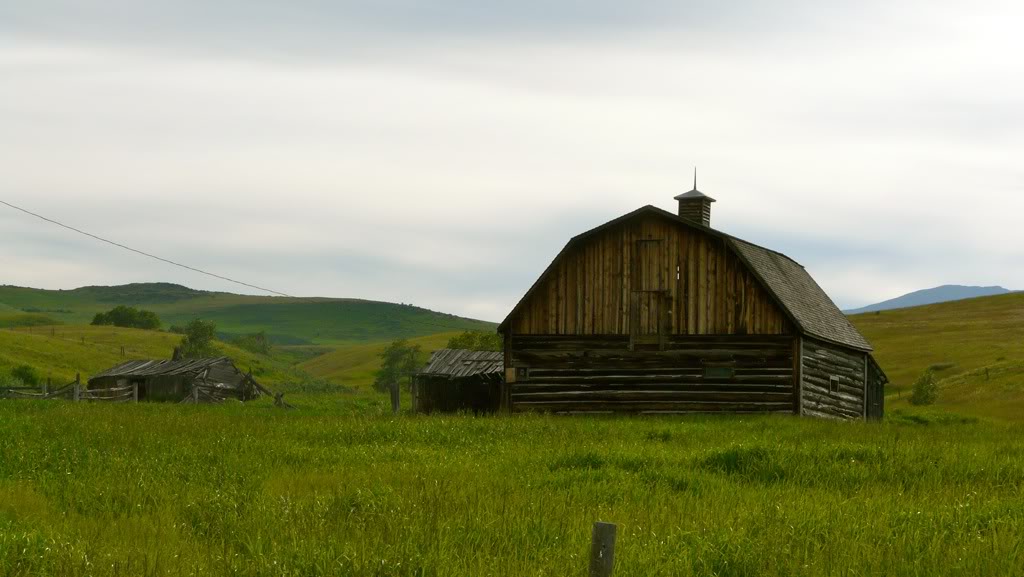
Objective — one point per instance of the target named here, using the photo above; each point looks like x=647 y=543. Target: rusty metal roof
x=455 y=363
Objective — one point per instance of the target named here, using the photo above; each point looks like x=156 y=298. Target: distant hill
x=939 y=294
x=974 y=346
x=287 y=320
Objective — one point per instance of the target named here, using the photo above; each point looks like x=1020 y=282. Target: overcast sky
x=441 y=153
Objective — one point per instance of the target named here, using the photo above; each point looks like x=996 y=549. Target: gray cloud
x=342 y=149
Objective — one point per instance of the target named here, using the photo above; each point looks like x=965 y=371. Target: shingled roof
x=456 y=363
x=800 y=297
x=798 y=293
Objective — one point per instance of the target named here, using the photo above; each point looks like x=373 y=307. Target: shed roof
x=455 y=363
x=150 y=368
x=801 y=298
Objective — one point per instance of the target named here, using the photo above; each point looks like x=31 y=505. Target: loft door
x=649 y=306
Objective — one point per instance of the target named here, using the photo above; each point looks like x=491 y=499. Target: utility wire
x=153 y=256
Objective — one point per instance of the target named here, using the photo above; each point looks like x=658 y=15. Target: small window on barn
x=719 y=370
x=833 y=384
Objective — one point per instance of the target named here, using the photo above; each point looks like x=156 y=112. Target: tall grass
x=231 y=490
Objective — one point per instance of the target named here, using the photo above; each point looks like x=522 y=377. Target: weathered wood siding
x=875 y=392
x=569 y=374
x=651 y=276
x=443 y=395
x=820 y=363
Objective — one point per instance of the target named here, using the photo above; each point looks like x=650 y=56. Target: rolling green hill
x=287 y=320
x=355 y=365
x=959 y=341
x=62 y=351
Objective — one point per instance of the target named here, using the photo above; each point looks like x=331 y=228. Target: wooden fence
x=202 y=392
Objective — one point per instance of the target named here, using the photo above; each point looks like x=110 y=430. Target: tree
x=926 y=390
x=198 y=341
x=130 y=317
x=477 y=341
x=399 y=361
x=255 y=343
x=26 y=374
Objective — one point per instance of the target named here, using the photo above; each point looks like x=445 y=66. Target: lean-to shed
x=209 y=379
x=655 y=312
x=459 y=380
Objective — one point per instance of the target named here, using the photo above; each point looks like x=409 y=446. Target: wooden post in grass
x=195 y=394
x=396 y=400
x=135 y=392
x=78 y=387
x=602 y=550
x=46 y=387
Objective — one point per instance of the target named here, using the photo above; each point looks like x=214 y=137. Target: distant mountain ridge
x=939 y=294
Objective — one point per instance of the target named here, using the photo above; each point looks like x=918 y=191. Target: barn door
x=649 y=308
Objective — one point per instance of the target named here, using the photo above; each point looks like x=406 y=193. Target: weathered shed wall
x=651 y=276
x=841 y=398
x=476 y=394
x=693 y=374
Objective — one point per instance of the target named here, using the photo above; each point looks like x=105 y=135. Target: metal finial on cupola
x=695 y=206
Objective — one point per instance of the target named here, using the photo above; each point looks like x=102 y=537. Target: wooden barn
x=459 y=380
x=656 y=312
x=197 y=380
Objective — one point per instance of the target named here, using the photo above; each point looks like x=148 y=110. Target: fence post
x=135 y=392
x=46 y=387
x=396 y=401
x=78 y=387
x=195 y=394
x=602 y=550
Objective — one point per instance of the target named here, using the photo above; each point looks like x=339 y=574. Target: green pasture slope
x=252 y=490
x=61 y=352
x=975 y=347
x=321 y=321
x=356 y=365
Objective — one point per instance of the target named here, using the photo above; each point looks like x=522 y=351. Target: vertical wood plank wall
x=706 y=289
x=821 y=362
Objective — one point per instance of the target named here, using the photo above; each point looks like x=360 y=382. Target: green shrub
x=257 y=343
x=198 y=341
x=129 y=317
x=476 y=341
x=926 y=389
x=26 y=374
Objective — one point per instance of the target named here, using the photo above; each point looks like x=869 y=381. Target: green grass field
x=232 y=490
x=287 y=320
x=336 y=486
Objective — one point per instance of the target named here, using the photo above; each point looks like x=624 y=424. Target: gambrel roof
x=795 y=291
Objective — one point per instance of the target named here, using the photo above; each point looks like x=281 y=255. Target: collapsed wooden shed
x=459 y=380
x=655 y=312
x=196 y=380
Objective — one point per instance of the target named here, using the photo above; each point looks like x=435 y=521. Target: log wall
x=822 y=361
x=654 y=273
x=570 y=374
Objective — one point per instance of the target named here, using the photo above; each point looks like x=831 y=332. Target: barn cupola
x=695 y=206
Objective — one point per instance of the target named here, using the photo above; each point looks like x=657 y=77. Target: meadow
x=337 y=486
x=143 y=489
